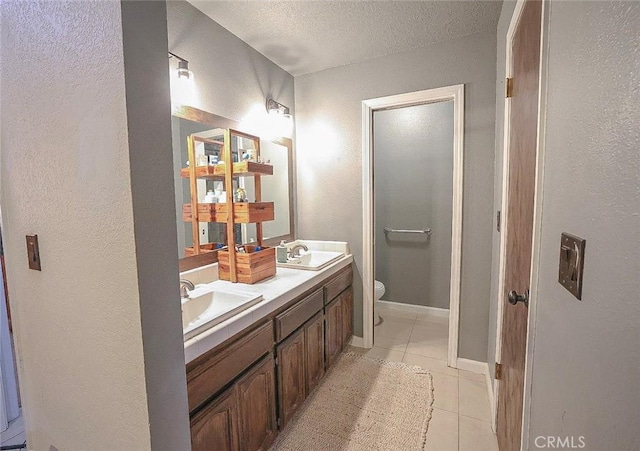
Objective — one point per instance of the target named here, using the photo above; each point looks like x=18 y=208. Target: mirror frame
x=209 y=119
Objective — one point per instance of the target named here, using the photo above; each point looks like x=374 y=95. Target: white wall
x=329 y=152
x=586 y=358
x=97 y=332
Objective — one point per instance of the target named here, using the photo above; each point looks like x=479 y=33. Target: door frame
x=455 y=93
x=537 y=216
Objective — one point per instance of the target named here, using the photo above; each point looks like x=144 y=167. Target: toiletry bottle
x=210 y=198
x=281 y=253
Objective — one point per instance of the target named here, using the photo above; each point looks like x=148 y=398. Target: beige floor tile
x=431 y=318
x=394 y=343
x=399 y=328
x=386 y=354
x=442 y=434
x=475 y=435
x=474 y=400
x=434 y=365
x=433 y=331
x=445 y=392
x=434 y=352
x=390 y=312
x=471 y=376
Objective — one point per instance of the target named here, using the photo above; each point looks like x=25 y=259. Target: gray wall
x=503 y=26
x=232 y=79
x=329 y=151
x=413 y=181
x=587 y=353
x=144 y=34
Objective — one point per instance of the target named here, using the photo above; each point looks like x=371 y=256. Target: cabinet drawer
x=296 y=316
x=337 y=285
x=210 y=375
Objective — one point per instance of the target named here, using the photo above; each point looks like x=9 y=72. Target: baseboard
x=442 y=312
x=358 y=342
x=492 y=400
x=471 y=365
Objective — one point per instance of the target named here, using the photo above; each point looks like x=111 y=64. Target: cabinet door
x=257 y=406
x=347 y=315
x=314 y=347
x=291 y=375
x=216 y=426
x=333 y=331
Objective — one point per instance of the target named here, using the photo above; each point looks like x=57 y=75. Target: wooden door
x=314 y=350
x=523 y=123
x=257 y=407
x=333 y=331
x=292 y=389
x=216 y=426
x=347 y=315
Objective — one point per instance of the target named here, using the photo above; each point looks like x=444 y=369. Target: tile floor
x=15 y=434
x=461 y=419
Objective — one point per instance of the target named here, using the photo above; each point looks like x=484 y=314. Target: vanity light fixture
x=276 y=108
x=183 y=66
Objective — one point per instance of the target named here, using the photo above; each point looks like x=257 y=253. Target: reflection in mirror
x=206 y=132
x=277 y=187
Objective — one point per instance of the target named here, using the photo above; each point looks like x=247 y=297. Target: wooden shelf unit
x=250 y=267
x=218 y=171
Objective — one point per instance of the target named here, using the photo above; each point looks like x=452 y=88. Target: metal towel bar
x=425 y=231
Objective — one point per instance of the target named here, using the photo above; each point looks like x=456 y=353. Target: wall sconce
x=275 y=108
x=183 y=66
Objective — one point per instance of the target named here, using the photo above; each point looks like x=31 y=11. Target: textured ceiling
x=310 y=36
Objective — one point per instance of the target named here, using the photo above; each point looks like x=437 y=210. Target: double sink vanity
x=254 y=353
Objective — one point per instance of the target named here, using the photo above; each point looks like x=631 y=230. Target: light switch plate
x=33 y=252
x=571 y=263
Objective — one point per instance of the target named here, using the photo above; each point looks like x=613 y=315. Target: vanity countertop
x=276 y=291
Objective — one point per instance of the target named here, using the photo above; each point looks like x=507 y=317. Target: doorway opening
x=400 y=244
x=11 y=425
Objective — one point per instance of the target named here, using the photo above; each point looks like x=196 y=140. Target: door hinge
x=498 y=219
x=279 y=423
x=498 y=372
x=276 y=361
x=509 y=85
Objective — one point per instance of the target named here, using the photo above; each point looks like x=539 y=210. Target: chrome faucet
x=184 y=286
x=294 y=252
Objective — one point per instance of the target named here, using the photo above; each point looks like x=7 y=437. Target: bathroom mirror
x=188 y=121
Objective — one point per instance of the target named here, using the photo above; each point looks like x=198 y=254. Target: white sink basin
x=205 y=310
x=312 y=260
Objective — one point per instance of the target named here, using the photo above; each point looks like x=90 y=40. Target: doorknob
x=514 y=297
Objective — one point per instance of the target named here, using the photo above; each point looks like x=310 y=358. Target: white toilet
x=379 y=292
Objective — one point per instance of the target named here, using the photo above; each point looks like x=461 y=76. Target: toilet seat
x=379 y=289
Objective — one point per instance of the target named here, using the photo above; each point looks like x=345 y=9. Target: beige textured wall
x=90 y=346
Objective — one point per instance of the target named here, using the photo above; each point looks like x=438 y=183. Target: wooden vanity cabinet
x=257 y=406
x=333 y=331
x=338 y=315
x=314 y=351
x=292 y=390
x=216 y=426
x=347 y=315
x=241 y=418
x=233 y=401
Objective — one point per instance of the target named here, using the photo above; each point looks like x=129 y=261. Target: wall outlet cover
x=571 y=263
